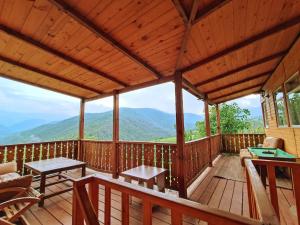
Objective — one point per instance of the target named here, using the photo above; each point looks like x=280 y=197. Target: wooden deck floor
x=226 y=194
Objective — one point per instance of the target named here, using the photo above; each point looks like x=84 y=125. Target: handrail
x=259 y=204
x=178 y=206
x=267 y=168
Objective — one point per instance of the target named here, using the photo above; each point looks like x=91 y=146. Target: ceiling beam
x=77 y=16
x=235 y=92
x=61 y=55
x=188 y=26
x=39 y=85
x=181 y=10
x=274 y=30
x=242 y=68
x=240 y=96
x=49 y=75
x=248 y=79
x=211 y=8
x=135 y=87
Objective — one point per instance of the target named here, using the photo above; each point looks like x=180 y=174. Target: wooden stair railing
x=267 y=169
x=85 y=205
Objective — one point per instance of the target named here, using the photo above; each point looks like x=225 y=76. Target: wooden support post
x=116 y=135
x=207 y=129
x=218 y=119
x=180 y=134
x=81 y=128
x=94 y=196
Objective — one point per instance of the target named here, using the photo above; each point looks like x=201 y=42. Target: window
x=292 y=87
x=265 y=114
x=280 y=108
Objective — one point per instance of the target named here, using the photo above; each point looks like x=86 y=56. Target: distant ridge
x=140 y=124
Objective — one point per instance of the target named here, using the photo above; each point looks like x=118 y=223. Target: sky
x=25 y=99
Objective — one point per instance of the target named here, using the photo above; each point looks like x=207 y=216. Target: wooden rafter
x=58 y=54
x=47 y=74
x=211 y=8
x=242 y=68
x=135 y=87
x=248 y=79
x=39 y=85
x=274 y=30
x=77 y=16
x=235 y=92
x=239 y=96
x=291 y=46
x=192 y=89
x=181 y=10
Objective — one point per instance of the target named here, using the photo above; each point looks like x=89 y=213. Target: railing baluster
x=107 y=205
x=273 y=190
x=296 y=187
x=147 y=212
x=125 y=209
x=176 y=217
x=94 y=196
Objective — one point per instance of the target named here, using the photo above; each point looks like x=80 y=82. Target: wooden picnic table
x=51 y=168
x=147 y=174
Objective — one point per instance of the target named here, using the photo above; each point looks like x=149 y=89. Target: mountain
x=140 y=124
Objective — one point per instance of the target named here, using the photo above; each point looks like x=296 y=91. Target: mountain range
x=139 y=124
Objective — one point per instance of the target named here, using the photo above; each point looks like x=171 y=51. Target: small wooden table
x=54 y=166
x=147 y=174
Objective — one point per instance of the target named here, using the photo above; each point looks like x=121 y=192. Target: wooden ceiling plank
x=248 y=79
x=211 y=8
x=104 y=36
x=242 y=68
x=61 y=55
x=235 y=92
x=47 y=74
x=40 y=86
x=274 y=30
x=181 y=10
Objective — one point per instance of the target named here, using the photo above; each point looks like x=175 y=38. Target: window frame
x=265 y=113
x=286 y=98
x=284 y=105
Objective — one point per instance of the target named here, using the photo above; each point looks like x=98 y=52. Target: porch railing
x=86 y=205
x=232 y=143
x=197 y=155
x=22 y=153
x=257 y=186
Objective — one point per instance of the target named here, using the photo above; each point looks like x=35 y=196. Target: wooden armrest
x=31 y=200
x=4 y=222
x=18 y=190
x=34 y=193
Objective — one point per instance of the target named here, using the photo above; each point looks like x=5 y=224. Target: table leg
x=161 y=182
x=42 y=188
x=83 y=171
x=150 y=183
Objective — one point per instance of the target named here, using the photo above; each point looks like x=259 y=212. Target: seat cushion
x=273 y=142
x=12 y=180
x=8 y=167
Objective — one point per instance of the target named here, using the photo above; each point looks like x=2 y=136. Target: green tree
x=233 y=120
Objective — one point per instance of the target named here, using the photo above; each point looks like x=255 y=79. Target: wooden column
x=180 y=134
x=81 y=128
x=116 y=135
x=218 y=120
x=207 y=129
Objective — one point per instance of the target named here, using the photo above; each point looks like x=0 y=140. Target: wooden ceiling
x=89 y=49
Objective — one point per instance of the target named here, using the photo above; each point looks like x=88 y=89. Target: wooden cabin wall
x=287 y=68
